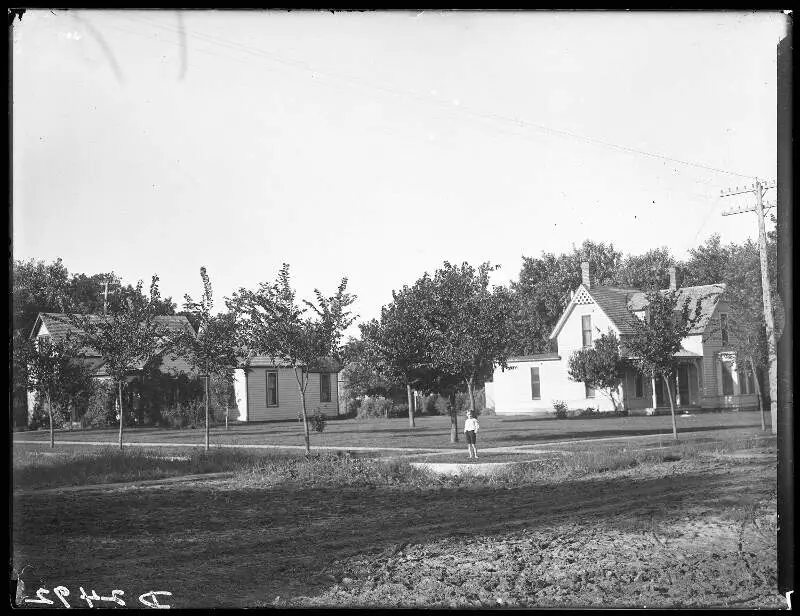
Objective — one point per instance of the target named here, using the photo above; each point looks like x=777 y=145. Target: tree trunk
x=119 y=398
x=306 y=434
x=410 y=405
x=671 y=407
x=471 y=396
x=50 y=412
x=758 y=393
x=207 y=428
x=453 y=419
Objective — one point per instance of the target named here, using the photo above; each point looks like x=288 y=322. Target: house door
x=683 y=383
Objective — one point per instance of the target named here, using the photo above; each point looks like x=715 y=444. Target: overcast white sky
x=377 y=145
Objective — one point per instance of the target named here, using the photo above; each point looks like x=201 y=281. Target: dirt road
x=664 y=535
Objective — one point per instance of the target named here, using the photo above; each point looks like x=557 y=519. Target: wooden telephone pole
x=105 y=284
x=758 y=189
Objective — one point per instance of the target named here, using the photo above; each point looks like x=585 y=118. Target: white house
x=707 y=375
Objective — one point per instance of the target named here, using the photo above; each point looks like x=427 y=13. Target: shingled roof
x=707 y=295
x=620 y=304
x=58 y=326
x=323 y=364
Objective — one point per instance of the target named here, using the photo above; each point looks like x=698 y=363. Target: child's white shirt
x=471 y=424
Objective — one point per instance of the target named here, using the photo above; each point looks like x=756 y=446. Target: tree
x=275 y=326
x=646 y=271
x=658 y=337
x=38 y=287
x=543 y=290
x=708 y=263
x=396 y=345
x=56 y=373
x=212 y=350
x=129 y=338
x=467 y=325
x=747 y=328
x=359 y=373
x=600 y=367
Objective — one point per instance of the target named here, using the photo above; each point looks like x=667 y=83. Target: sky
x=377 y=145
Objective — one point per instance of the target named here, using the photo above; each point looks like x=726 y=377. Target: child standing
x=471 y=428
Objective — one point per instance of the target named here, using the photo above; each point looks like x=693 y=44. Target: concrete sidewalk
x=229 y=446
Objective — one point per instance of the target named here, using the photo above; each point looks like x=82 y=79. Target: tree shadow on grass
x=666 y=432
x=236 y=547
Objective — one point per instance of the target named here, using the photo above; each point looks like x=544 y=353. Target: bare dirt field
x=692 y=532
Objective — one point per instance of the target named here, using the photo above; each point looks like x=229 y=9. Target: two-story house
x=707 y=376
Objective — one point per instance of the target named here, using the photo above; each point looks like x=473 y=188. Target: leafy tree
x=467 y=325
x=56 y=373
x=360 y=374
x=543 y=290
x=600 y=367
x=646 y=271
x=38 y=287
x=708 y=263
x=275 y=326
x=396 y=344
x=658 y=337
x=129 y=338
x=212 y=349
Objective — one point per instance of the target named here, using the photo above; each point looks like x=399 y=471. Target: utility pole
x=105 y=283
x=759 y=188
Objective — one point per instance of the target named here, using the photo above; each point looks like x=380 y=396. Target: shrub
x=100 y=410
x=588 y=412
x=560 y=409
x=436 y=405
x=317 y=421
x=399 y=410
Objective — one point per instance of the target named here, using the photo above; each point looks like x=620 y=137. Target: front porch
x=644 y=396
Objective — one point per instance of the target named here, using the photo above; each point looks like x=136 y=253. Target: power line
x=428 y=101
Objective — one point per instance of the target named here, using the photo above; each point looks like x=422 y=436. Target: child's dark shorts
x=470 y=434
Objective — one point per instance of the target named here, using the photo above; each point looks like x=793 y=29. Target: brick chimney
x=673 y=278
x=585 y=275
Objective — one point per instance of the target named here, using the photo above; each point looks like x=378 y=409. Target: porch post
x=678 y=385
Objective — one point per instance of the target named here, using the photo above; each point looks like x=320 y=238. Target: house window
x=727 y=379
x=272 y=389
x=536 y=392
x=746 y=385
x=638 y=382
x=586 y=324
x=589 y=390
x=723 y=328
x=324 y=387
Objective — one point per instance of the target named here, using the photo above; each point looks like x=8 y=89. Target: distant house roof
x=58 y=326
x=535 y=357
x=323 y=364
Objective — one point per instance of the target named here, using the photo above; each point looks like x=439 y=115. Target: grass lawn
x=613 y=529
x=431 y=432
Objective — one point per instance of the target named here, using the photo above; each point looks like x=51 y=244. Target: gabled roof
x=619 y=305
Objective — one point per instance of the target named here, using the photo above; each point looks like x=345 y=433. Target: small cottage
x=268 y=390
